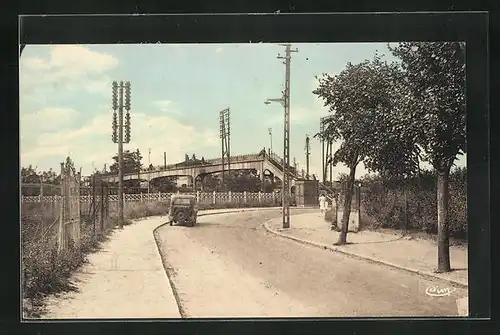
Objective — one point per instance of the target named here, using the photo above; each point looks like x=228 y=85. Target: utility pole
x=270 y=130
x=225 y=135
x=331 y=160
x=308 y=149
x=118 y=135
x=325 y=140
x=285 y=101
x=149 y=164
x=41 y=186
x=322 y=139
x=164 y=159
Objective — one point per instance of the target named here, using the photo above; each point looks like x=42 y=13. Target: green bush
x=384 y=203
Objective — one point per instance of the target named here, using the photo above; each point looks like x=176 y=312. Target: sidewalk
x=125 y=279
x=417 y=256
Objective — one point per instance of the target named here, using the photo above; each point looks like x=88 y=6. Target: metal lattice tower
x=225 y=135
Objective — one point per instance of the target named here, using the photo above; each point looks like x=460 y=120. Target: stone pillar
x=262 y=180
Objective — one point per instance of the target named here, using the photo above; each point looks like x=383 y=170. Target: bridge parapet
x=213 y=161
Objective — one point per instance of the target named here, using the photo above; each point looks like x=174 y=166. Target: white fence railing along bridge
x=202 y=197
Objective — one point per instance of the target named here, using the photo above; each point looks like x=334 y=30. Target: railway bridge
x=261 y=163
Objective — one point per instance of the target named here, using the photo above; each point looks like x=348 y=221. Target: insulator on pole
x=114 y=95
x=115 y=128
x=127 y=96
x=127 y=128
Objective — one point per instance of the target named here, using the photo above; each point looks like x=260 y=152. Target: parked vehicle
x=183 y=210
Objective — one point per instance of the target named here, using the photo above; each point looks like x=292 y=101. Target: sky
x=177 y=93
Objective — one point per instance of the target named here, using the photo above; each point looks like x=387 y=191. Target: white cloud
x=92 y=142
x=72 y=67
x=219 y=50
x=46 y=119
x=166 y=106
x=298 y=115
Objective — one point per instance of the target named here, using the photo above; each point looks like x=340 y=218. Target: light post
x=225 y=136
x=149 y=164
x=308 y=153
x=270 y=130
x=285 y=101
x=118 y=135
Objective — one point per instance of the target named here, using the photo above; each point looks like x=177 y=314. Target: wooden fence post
x=159 y=195
x=230 y=197
x=260 y=196
x=274 y=198
x=197 y=196
x=245 y=197
x=141 y=197
x=214 y=198
x=61 y=233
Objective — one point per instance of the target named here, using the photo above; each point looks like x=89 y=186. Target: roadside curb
x=166 y=266
x=333 y=248
x=237 y=210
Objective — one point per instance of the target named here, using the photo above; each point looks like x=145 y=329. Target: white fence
x=252 y=198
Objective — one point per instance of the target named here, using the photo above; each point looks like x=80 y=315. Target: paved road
x=230 y=266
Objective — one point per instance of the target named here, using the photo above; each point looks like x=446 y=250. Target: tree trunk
x=442 y=208
x=347 y=208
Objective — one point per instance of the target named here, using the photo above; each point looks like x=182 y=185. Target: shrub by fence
x=393 y=205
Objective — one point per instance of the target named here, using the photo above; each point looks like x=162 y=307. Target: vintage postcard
x=256 y=180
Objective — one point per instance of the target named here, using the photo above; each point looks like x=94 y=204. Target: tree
x=69 y=166
x=165 y=184
x=29 y=175
x=132 y=162
x=359 y=100
x=436 y=86
x=245 y=180
x=211 y=181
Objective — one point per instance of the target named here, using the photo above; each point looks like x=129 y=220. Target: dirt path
x=124 y=280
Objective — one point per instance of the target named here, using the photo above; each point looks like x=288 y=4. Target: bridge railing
x=187 y=165
x=278 y=162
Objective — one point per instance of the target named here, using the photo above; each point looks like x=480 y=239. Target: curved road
x=230 y=266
